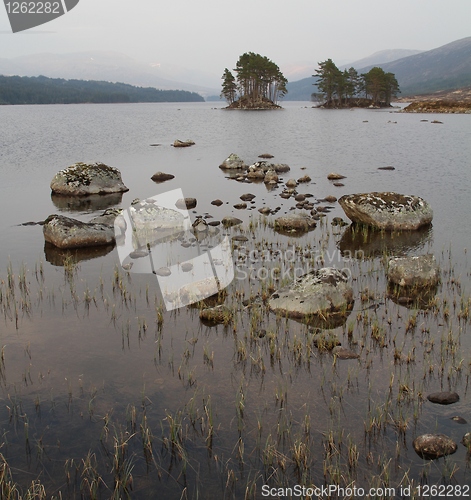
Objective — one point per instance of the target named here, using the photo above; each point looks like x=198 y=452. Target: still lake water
x=74 y=370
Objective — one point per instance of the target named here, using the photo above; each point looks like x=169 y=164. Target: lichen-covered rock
x=294 y=223
x=88 y=178
x=387 y=210
x=417 y=271
x=233 y=162
x=324 y=292
x=432 y=446
x=64 y=232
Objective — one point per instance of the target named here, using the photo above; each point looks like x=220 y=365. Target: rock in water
x=387 y=210
x=294 y=223
x=232 y=162
x=418 y=271
x=88 y=178
x=324 y=292
x=183 y=144
x=443 y=398
x=162 y=177
x=431 y=446
x=64 y=232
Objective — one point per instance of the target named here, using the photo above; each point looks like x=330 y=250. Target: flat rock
x=162 y=177
x=323 y=292
x=182 y=144
x=417 y=271
x=88 y=178
x=335 y=177
x=387 y=210
x=294 y=223
x=266 y=155
x=64 y=232
x=443 y=398
x=233 y=162
x=432 y=446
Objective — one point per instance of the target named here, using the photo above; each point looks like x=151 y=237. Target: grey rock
x=233 y=162
x=183 y=144
x=64 y=232
x=418 y=271
x=323 y=292
x=443 y=398
x=432 y=446
x=88 y=178
x=387 y=210
x=294 y=223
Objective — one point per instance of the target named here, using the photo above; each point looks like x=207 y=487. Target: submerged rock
x=432 y=446
x=64 y=232
x=342 y=353
x=217 y=314
x=88 y=178
x=418 y=271
x=387 y=210
x=324 y=292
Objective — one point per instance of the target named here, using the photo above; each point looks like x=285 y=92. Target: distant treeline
x=43 y=90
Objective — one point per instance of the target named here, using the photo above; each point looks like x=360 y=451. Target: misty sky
x=209 y=35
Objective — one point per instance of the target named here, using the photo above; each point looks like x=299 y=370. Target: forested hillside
x=43 y=90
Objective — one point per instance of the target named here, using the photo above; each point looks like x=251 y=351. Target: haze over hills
x=445 y=68
x=108 y=66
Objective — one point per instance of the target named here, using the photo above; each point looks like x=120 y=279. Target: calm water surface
x=91 y=360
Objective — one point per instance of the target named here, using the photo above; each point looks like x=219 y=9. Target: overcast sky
x=211 y=34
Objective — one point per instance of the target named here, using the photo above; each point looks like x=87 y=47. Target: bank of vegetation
x=43 y=90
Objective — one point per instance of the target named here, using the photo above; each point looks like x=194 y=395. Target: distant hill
x=111 y=67
x=43 y=90
x=446 y=68
x=380 y=58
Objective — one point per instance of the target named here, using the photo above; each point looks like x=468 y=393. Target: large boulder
x=387 y=210
x=432 y=446
x=320 y=293
x=418 y=271
x=88 y=178
x=64 y=232
x=233 y=162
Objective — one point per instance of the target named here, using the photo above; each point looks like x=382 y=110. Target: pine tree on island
x=259 y=83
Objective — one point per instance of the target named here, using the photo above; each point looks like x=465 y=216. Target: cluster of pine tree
x=43 y=90
x=257 y=79
x=341 y=88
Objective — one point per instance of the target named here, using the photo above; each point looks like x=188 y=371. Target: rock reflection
x=88 y=203
x=62 y=257
x=362 y=242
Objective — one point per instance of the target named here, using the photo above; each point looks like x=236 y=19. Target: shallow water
x=86 y=346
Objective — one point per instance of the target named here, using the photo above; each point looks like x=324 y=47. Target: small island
x=348 y=89
x=259 y=83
